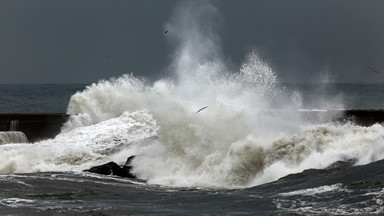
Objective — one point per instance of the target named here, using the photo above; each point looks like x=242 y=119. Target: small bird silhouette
x=201 y=109
x=166 y=33
x=373 y=70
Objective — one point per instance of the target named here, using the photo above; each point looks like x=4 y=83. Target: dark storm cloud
x=83 y=41
x=303 y=38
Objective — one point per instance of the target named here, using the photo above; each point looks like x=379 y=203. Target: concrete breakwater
x=45 y=126
x=35 y=126
x=356 y=116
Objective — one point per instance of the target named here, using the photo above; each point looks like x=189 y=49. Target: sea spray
x=319 y=146
x=208 y=145
x=249 y=134
x=224 y=145
x=107 y=99
x=12 y=137
x=82 y=147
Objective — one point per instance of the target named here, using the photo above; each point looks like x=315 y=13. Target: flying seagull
x=201 y=109
x=373 y=70
x=166 y=33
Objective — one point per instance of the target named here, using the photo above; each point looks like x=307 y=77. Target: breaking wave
x=249 y=134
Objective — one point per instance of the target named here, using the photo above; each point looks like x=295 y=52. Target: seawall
x=45 y=126
x=359 y=117
x=35 y=126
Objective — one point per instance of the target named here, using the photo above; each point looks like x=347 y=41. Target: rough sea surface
x=247 y=153
x=304 y=169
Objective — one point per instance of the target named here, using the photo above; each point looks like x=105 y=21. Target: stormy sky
x=83 y=41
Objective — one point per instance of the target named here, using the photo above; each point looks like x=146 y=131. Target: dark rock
x=105 y=169
x=113 y=168
x=129 y=160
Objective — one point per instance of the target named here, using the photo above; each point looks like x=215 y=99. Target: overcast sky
x=83 y=41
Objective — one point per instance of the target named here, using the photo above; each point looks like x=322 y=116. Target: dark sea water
x=36 y=182
x=54 y=98
x=36 y=98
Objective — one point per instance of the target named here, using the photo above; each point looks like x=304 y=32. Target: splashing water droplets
x=249 y=133
x=212 y=147
x=257 y=74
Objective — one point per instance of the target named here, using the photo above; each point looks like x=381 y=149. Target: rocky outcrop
x=113 y=168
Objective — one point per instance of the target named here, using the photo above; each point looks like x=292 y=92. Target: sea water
x=230 y=158
x=247 y=153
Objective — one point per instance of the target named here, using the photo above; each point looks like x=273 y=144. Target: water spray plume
x=250 y=134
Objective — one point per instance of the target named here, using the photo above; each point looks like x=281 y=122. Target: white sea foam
x=346 y=205
x=16 y=202
x=250 y=134
x=314 y=191
x=82 y=147
x=12 y=137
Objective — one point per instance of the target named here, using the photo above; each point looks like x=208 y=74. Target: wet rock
x=112 y=168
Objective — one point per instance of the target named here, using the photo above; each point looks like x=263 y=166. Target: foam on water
x=314 y=191
x=250 y=133
x=370 y=203
x=81 y=147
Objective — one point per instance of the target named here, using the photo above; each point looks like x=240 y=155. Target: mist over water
x=239 y=140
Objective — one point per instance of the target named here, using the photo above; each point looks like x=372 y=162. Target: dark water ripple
x=339 y=190
x=36 y=98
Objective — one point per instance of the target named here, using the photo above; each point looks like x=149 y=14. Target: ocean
x=37 y=98
x=213 y=136
x=232 y=158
